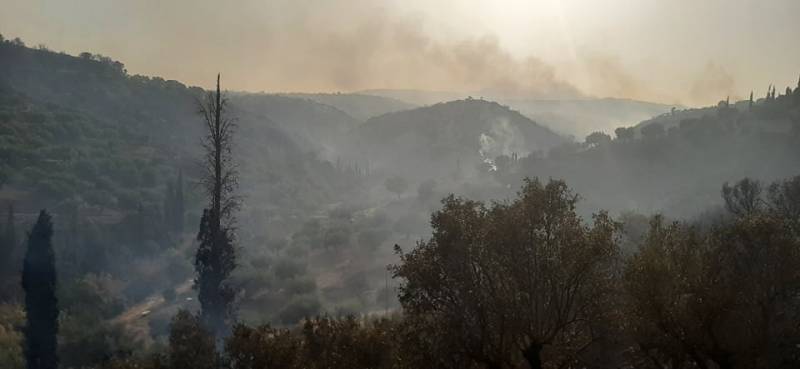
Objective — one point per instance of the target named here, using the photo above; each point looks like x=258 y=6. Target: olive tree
x=510 y=279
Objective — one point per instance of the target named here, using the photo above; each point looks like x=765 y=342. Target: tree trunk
x=532 y=355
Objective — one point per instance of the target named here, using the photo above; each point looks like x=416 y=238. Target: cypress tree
x=216 y=253
x=41 y=305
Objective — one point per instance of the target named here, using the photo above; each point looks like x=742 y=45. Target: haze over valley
x=417 y=184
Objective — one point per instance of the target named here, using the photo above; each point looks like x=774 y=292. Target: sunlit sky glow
x=679 y=51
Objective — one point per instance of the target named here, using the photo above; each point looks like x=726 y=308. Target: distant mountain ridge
x=359 y=106
x=579 y=117
x=570 y=116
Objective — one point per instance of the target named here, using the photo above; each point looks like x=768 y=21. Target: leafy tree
x=347 y=343
x=509 y=280
x=723 y=297
x=191 y=346
x=784 y=199
x=743 y=198
x=87 y=337
x=653 y=131
x=625 y=133
x=396 y=185
x=216 y=254
x=11 y=319
x=263 y=347
x=41 y=304
x=598 y=139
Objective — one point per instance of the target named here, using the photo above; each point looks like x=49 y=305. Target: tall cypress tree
x=216 y=253
x=41 y=305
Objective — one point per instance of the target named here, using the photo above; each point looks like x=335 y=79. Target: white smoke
x=502 y=139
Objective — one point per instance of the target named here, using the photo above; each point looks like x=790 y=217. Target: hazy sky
x=674 y=51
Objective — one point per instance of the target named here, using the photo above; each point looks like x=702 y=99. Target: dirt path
x=137 y=316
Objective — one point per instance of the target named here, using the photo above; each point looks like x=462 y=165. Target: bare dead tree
x=216 y=253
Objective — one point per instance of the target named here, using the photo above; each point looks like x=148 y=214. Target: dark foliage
x=9 y=267
x=41 y=304
x=504 y=282
x=191 y=345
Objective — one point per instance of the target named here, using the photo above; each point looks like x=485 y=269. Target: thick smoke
x=350 y=45
x=387 y=52
x=305 y=46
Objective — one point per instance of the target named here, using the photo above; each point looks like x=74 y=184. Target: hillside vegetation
x=439 y=137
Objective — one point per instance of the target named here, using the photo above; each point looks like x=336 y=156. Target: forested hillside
x=437 y=139
x=674 y=163
x=113 y=156
x=158 y=116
